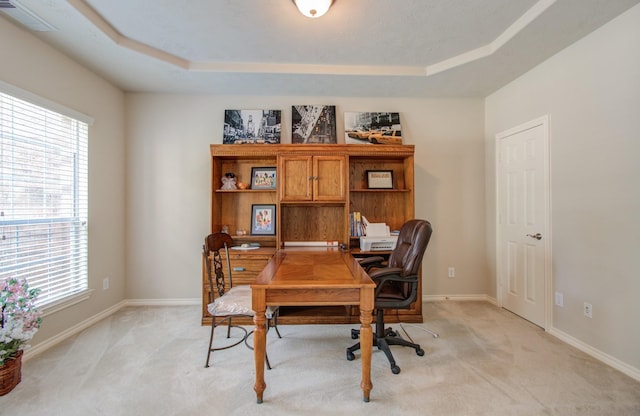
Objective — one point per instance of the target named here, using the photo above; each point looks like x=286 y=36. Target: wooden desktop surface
x=313 y=276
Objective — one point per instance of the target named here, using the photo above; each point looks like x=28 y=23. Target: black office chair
x=396 y=286
x=231 y=301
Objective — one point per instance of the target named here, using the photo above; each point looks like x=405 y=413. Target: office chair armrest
x=385 y=272
x=381 y=277
x=369 y=263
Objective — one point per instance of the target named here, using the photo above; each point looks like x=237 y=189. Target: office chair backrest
x=212 y=245
x=412 y=243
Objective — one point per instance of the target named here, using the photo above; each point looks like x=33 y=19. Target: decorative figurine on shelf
x=229 y=181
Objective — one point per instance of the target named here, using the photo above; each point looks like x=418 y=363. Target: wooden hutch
x=317 y=187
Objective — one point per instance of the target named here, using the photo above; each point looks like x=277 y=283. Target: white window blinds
x=43 y=199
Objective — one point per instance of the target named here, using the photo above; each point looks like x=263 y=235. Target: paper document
x=310 y=243
x=377 y=229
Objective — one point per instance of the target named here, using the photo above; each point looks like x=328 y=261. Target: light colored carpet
x=150 y=361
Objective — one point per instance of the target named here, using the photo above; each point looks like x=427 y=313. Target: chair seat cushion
x=236 y=301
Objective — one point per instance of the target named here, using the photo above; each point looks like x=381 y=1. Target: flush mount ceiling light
x=313 y=8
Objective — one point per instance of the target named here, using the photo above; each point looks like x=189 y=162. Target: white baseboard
x=45 y=345
x=163 y=302
x=459 y=298
x=597 y=354
x=574 y=342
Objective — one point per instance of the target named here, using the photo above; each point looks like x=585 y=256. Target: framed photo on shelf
x=263 y=219
x=380 y=179
x=263 y=178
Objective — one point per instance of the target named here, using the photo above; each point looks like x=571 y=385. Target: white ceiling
x=397 y=48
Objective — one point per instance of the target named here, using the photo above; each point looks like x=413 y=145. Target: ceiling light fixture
x=313 y=8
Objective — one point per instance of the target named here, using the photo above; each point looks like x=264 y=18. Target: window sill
x=66 y=302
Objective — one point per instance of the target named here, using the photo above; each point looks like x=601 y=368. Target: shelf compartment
x=380 y=190
x=237 y=191
x=234 y=209
x=312 y=223
x=358 y=168
x=392 y=208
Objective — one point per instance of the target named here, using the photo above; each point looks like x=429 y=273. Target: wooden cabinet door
x=296 y=178
x=329 y=177
x=312 y=178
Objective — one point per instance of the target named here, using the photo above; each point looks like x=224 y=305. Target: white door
x=523 y=220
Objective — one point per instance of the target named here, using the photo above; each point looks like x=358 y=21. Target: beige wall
x=591 y=92
x=168 y=139
x=30 y=65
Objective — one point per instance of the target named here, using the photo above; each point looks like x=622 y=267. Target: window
x=43 y=199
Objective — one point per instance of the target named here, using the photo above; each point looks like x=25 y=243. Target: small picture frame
x=263 y=219
x=380 y=179
x=263 y=178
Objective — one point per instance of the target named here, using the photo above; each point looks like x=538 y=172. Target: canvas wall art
x=251 y=126
x=313 y=124
x=372 y=128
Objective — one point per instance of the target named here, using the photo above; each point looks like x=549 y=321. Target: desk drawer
x=246 y=265
x=244 y=271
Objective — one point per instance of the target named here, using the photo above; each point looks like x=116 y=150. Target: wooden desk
x=313 y=276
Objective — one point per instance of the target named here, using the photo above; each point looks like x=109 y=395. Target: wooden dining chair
x=226 y=300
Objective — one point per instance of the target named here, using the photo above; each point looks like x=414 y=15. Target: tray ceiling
x=401 y=48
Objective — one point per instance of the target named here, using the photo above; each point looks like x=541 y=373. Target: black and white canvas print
x=372 y=128
x=251 y=126
x=313 y=124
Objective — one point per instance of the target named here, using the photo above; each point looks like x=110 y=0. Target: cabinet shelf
x=254 y=238
x=240 y=191
x=380 y=190
x=312 y=203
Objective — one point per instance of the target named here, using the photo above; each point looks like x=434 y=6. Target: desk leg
x=259 y=341
x=366 y=340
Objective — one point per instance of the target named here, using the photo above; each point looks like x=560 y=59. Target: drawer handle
x=238 y=269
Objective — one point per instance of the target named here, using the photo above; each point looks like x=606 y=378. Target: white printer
x=378 y=238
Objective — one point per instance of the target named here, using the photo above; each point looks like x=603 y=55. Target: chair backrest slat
x=213 y=261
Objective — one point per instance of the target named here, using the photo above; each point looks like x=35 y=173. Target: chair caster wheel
x=350 y=356
x=395 y=369
x=392 y=334
x=355 y=334
x=420 y=352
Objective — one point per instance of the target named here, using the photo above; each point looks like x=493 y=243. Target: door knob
x=537 y=236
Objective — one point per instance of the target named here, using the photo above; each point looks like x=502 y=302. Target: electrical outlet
x=105 y=283
x=588 y=310
x=452 y=272
x=559 y=299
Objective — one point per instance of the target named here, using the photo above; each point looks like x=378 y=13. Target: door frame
x=548 y=278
